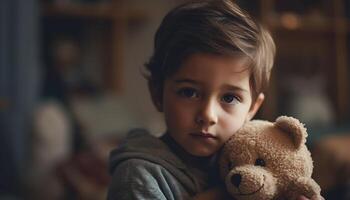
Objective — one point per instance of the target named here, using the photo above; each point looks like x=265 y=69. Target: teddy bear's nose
x=236 y=179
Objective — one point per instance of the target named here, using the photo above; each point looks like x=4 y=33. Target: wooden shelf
x=117 y=15
x=301 y=24
x=102 y=11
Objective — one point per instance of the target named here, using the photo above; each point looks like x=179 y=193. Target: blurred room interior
x=72 y=85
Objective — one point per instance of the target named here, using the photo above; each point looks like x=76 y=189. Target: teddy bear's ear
x=294 y=128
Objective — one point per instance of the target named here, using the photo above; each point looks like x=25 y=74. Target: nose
x=236 y=179
x=207 y=115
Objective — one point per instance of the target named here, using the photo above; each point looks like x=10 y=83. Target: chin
x=202 y=153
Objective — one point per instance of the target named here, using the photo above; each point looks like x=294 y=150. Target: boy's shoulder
x=142 y=151
x=140 y=169
x=149 y=180
x=140 y=179
x=140 y=144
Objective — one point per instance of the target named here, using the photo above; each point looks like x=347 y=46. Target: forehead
x=237 y=63
x=216 y=69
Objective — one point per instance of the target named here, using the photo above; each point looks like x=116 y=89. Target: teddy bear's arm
x=303 y=186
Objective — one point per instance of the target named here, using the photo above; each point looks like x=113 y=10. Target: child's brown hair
x=213 y=26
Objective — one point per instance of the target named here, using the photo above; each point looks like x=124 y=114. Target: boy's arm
x=137 y=179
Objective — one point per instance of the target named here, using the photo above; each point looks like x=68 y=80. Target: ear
x=156 y=95
x=255 y=106
x=294 y=128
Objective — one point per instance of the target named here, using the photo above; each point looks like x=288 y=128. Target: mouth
x=251 y=193
x=203 y=135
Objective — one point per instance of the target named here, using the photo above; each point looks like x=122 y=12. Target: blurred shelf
x=300 y=23
x=81 y=18
x=100 y=10
x=103 y=11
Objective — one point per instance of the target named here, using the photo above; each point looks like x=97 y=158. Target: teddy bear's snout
x=250 y=180
x=236 y=179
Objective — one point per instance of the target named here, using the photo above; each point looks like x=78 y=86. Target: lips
x=203 y=135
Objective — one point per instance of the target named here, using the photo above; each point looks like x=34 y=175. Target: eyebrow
x=235 y=88
x=226 y=86
x=187 y=81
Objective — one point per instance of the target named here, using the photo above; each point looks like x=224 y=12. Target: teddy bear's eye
x=230 y=165
x=260 y=162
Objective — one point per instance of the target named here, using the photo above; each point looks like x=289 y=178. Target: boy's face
x=206 y=101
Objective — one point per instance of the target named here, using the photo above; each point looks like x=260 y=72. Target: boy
x=210 y=66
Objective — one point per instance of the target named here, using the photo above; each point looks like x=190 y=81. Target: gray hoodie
x=146 y=167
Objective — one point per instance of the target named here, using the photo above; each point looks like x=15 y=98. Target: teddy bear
x=268 y=160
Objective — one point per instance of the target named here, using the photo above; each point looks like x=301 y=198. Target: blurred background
x=71 y=86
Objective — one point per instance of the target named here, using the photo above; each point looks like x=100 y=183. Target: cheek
x=232 y=125
x=177 y=115
x=232 y=122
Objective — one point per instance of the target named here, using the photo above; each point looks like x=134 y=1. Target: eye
x=260 y=162
x=230 y=99
x=230 y=165
x=188 y=92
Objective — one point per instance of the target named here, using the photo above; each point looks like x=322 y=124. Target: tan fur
x=281 y=146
